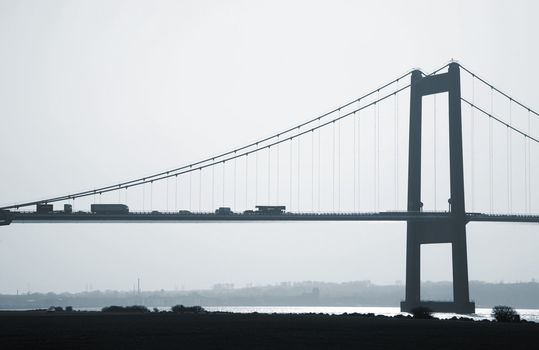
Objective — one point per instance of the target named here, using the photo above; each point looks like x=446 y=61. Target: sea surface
x=480 y=313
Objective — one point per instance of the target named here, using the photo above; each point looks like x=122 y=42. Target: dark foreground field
x=85 y=330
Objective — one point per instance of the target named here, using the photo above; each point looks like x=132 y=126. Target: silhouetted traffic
x=114 y=212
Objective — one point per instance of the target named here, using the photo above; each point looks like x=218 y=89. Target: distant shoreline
x=523 y=295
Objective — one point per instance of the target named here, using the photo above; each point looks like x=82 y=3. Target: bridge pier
x=451 y=229
x=439 y=231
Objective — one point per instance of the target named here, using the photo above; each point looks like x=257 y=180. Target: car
x=223 y=211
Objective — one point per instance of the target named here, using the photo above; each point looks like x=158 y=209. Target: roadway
x=85 y=217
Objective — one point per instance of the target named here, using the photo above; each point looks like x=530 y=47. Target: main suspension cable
x=500 y=121
x=499 y=91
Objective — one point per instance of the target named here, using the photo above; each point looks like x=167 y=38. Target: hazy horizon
x=224 y=286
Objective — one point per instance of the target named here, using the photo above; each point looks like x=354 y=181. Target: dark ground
x=94 y=330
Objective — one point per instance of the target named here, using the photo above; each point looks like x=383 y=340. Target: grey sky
x=94 y=92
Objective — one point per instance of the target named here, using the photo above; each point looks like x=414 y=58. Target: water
x=480 y=313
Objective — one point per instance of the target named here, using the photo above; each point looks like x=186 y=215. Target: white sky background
x=94 y=92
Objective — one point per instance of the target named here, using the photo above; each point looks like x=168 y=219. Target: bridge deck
x=80 y=217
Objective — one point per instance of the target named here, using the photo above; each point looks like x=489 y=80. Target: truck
x=44 y=208
x=109 y=209
x=270 y=209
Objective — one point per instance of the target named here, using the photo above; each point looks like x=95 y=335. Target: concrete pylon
x=451 y=229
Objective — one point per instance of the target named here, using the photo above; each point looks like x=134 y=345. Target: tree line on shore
x=500 y=313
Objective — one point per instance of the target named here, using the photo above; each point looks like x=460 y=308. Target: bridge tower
x=444 y=230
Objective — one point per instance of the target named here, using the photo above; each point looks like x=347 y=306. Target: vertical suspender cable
x=176 y=192
x=333 y=167
x=472 y=145
x=507 y=174
x=339 y=163
x=359 y=157
x=378 y=177
x=509 y=162
x=234 y=186
x=277 y=178
x=491 y=153
x=256 y=175
x=434 y=152
x=167 y=194
x=200 y=189
x=319 y=158
x=299 y=159
x=355 y=156
x=143 y=195
x=190 y=190
x=397 y=148
x=224 y=186
x=291 y=154
x=375 y=178
x=312 y=171
x=269 y=175
x=246 y=181
x=526 y=169
x=151 y=195
x=213 y=184
x=529 y=187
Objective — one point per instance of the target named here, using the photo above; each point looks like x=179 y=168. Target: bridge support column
x=443 y=230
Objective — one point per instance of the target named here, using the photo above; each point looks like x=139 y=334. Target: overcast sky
x=94 y=92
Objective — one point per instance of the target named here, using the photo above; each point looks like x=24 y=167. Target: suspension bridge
x=467 y=142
